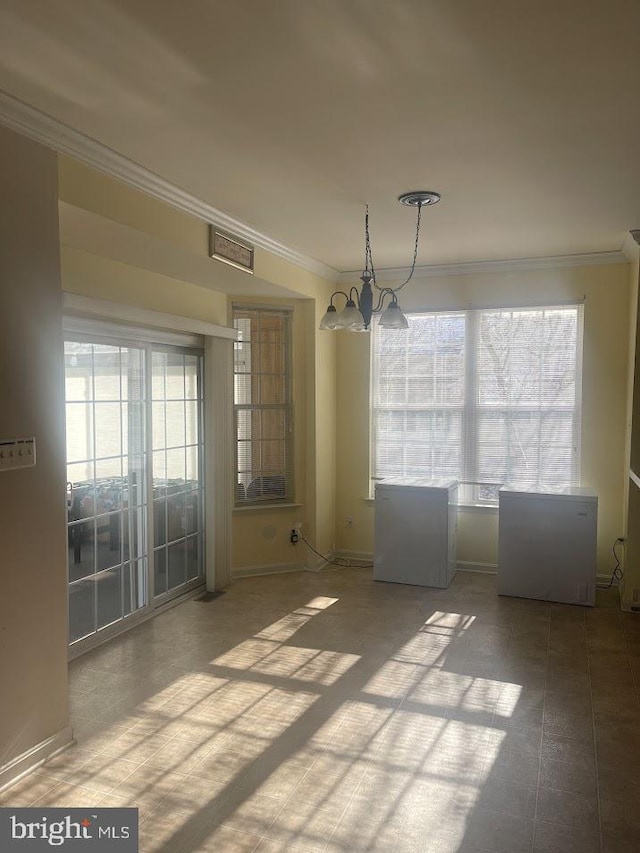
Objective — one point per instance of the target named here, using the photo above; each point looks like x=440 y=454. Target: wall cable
x=342 y=562
x=617 y=573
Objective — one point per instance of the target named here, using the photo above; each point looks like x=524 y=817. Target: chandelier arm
x=384 y=291
x=415 y=253
x=336 y=292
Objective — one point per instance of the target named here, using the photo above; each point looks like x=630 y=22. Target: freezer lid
x=416 y=483
x=581 y=493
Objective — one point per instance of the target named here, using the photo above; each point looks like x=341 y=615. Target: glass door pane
x=178 y=495
x=106 y=491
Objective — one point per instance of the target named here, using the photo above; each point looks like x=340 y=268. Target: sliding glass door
x=134 y=480
x=177 y=471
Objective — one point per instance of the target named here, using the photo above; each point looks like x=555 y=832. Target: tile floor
x=327 y=712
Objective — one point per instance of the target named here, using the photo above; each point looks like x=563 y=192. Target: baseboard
x=267 y=569
x=484 y=568
x=317 y=564
x=605 y=578
x=310 y=565
x=18 y=767
x=362 y=556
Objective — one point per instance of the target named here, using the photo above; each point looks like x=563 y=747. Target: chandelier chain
x=415 y=253
x=368 y=258
x=367 y=245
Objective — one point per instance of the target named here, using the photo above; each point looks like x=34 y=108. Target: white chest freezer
x=547 y=544
x=415 y=531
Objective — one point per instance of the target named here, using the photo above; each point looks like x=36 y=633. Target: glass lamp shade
x=330 y=319
x=351 y=318
x=393 y=318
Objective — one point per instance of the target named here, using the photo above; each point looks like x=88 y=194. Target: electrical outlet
x=294 y=536
x=349 y=521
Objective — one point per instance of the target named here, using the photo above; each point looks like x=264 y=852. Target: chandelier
x=357 y=313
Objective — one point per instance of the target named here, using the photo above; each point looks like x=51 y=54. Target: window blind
x=263 y=406
x=483 y=396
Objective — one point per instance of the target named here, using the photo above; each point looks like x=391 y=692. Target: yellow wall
x=260 y=536
x=325 y=413
x=605 y=372
x=630 y=587
x=84 y=188
x=106 y=278
x=33 y=572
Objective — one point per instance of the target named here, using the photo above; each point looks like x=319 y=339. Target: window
x=262 y=406
x=486 y=397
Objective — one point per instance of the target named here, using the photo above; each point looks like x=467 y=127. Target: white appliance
x=547 y=544
x=415 y=531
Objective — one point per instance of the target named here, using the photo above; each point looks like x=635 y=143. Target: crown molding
x=475 y=267
x=631 y=246
x=64 y=139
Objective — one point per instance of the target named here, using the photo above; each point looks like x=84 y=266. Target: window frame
x=274 y=493
x=473 y=491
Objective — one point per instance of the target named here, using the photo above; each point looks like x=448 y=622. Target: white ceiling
x=290 y=115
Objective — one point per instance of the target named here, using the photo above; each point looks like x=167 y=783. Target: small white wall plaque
x=223 y=247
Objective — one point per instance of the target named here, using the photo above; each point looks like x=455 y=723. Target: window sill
x=265 y=507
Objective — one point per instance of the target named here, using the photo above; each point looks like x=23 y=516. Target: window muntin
x=134 y=454
x=178 y=483
x=263 y=409
x=106 y=484
x=485 y=396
